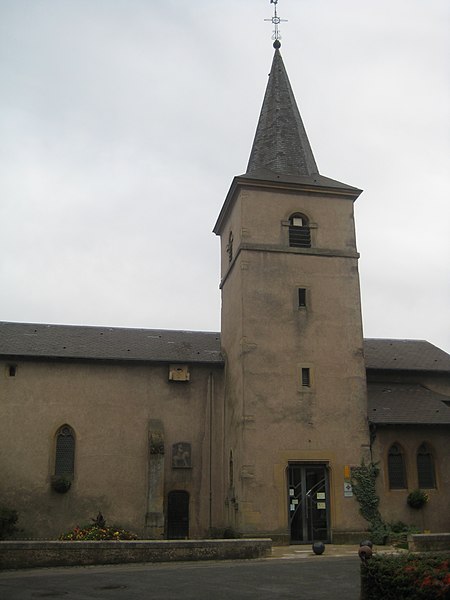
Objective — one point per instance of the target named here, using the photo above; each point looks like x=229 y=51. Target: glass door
x=308 y=500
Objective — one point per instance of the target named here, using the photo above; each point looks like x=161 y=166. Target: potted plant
x=61 y=484
x=417 y=499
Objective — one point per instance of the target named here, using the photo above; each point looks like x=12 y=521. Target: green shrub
x=406 y=577
x=8 y=520
x=398 y=533
x=398 y=527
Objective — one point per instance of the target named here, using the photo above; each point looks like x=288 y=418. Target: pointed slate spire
x=281 y=145
x=281 y=153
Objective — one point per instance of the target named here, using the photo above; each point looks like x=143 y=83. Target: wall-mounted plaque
x=181 y=455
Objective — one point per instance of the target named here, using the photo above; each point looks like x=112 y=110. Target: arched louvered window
x=65 y=452
x=425 y=467
x=299 y=231
x=396 y=468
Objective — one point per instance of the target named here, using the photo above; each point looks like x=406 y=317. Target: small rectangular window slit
x=12 y=370
x=306 y=377
x=301 y=297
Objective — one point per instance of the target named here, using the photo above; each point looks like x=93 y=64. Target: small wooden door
x=178 y=515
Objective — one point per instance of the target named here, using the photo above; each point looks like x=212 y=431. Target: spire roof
x=281 y=151
x=281 y=144
x=281 y=154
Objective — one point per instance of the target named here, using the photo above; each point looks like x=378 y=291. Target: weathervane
x=276 y=21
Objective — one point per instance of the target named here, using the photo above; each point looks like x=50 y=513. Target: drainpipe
x=373 y=435
x=211 y=397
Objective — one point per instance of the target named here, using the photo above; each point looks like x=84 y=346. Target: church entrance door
x=308 y=500
x=178 y=515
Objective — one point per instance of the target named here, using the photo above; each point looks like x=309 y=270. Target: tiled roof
x=408 y=355
x=109 y=343
x=167 y=345
x=406 y=404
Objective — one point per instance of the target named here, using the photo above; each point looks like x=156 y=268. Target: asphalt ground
x=292 y=572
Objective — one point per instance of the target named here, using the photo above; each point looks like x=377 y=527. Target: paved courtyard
x=287 y=575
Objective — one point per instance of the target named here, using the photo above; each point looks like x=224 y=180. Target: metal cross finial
x=276 y=21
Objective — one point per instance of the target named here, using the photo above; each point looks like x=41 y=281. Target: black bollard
x=318 y=547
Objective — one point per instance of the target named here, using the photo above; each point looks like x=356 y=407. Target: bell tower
x=295 y=396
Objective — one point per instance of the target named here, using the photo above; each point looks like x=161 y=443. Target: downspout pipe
x=210 y=401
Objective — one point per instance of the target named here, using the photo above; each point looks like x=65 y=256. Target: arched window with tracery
x=396 y=468
x=425 y=467
x=65 y=452
x=299 y=231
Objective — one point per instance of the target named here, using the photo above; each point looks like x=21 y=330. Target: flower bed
x=406 y=577
x=94 y=533
x=98 y=531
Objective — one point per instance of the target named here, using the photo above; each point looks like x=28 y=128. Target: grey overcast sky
x=123 y=122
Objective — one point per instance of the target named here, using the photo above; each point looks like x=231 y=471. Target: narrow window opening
x=306 y=377
x=229 y=248
x=12 y=370
x=302 y=297
x=425 y=468
x=65 y=452
x=396 y=468
x=231 y=469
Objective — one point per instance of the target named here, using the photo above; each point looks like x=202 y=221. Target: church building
x=254 y=429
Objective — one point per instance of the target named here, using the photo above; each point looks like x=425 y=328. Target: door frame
x=307 y=498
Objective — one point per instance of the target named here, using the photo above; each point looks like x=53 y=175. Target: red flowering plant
x=437 y=583
x=411 y=576
x=97 y=531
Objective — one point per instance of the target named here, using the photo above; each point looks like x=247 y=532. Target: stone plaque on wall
x=181 y=455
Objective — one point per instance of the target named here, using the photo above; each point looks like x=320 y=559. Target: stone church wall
x=111 y=409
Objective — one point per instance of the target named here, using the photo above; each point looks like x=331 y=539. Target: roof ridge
x=109 y=327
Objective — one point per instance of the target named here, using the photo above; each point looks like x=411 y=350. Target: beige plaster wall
x=435 y=516
x=109 y=407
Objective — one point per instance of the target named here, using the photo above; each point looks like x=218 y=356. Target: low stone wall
x=29 y=554
x=427 y=542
